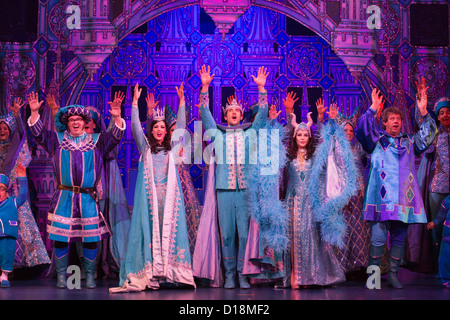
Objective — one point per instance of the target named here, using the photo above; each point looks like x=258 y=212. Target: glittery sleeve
x=207 y=118
x=426 y=134
x=136 y=129
x=47 y=139
x=263 y=111
x=367 y=131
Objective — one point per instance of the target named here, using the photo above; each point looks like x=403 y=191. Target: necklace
x=301 y=155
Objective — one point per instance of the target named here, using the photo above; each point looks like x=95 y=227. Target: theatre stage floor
x=417 y=286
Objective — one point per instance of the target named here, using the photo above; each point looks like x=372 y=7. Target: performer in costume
x=443 y=218
x=111 y=197
x=74 y=214
x=434 y=180
x=180 y=120
x=392 y=199
x=315 y=195
x=9 y=222
x=30 y=249
x=354 y=255
x=158 y=247
x=230 y=174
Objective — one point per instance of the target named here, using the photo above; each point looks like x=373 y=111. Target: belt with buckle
x=75 y=189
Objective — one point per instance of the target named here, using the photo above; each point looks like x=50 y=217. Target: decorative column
x=96 y=38
x=173 y=62
x=224 y=12
x=260 y=48
x=352 y=40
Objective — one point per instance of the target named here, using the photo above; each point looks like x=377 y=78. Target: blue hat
x=63 y=115
x=170 y=115
x=10 y=120
x=441 y=103
x=4 y=179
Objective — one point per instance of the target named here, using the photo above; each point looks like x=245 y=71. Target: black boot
x=394 y=265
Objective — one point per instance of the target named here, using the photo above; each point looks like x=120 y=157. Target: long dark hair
x=293 y=147
x=154 y=145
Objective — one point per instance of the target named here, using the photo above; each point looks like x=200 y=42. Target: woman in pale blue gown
x=158 y=247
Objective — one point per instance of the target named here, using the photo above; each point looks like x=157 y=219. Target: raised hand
x=151 y=104
x=180 y=93
x=231 y=98
x=136 y=95
x=421 y=86
x=115 y=110
x=290 y=101
x=422 y=96
x=116 y=103
x=260 y=80
x=273 y=114
x=17 y=104
x=33 y=101
x=51 y=101
x=380 y=110
x=321 y=109
x=377 y=99
x=334 y=110
x=206 y=77
x=21 y=171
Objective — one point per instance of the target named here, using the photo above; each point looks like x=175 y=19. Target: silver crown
x=159 y=114
x=233 y=104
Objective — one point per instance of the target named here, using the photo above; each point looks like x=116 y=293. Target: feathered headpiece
x=351 y=120
x=302 y=125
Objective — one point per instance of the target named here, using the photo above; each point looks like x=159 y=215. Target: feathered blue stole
x=263 y=190
x=327 y=209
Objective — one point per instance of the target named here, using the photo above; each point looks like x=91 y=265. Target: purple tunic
x=77 y=162
x=392 y=191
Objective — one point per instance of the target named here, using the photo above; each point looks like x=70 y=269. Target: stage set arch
x=315 y=48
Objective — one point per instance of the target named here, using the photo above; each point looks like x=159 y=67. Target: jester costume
x=158 y=247
x=74 y=214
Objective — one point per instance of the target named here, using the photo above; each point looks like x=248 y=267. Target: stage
x=417 y=286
